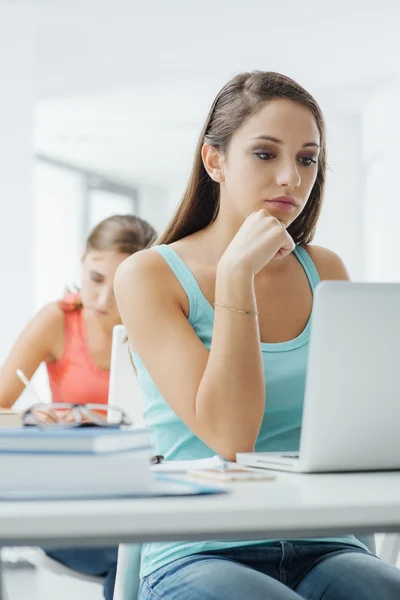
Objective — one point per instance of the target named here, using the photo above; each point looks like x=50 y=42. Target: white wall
x=381 y=145
x=341 y=227
x=175 y=194
x=16 y=199
x=153 y=201
x=58 y=227
x=104 y=204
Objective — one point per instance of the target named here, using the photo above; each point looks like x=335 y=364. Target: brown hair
x=126 y=234
x=239 y=99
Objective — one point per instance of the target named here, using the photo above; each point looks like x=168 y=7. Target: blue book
x=75 y=440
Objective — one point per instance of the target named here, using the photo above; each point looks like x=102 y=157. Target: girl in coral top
x=73 y=337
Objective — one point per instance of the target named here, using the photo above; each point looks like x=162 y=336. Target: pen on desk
x=28 y=385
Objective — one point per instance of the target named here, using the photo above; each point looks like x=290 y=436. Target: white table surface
x=292 y=506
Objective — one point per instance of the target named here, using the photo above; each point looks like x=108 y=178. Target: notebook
x=74 y=440
x=123 y=472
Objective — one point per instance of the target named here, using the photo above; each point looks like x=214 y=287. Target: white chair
x=124 y=391
x=390 y=548
x=127 y=581
x=3 y=593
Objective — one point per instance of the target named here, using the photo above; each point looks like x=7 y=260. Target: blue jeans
x=283 y=571
x=91 y=561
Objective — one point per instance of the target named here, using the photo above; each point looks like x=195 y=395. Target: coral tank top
x=75 y=377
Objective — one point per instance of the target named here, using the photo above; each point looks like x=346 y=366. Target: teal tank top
x=285 y=371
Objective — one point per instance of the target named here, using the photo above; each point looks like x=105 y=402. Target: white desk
x=292 y=506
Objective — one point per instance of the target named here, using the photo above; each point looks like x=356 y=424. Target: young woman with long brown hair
x=218 y=317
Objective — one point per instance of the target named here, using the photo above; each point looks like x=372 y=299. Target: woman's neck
x=104 y=328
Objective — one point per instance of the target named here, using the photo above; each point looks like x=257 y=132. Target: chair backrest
x=390 y=548
x=125 y=393
x=127 y=581
x=124 y=390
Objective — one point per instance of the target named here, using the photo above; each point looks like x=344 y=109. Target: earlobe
x=212 y=162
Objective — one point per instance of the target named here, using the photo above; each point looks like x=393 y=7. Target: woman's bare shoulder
x=51 y=315
x=328 y=264
x=145 y=264
x=51 y=322
x=151 y=272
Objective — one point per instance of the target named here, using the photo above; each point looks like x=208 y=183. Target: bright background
x=101 y=104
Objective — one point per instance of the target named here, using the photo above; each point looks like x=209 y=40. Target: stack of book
x=75 y=463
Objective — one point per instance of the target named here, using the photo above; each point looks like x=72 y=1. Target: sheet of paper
x=182 y=466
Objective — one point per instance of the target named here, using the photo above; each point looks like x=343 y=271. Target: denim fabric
x=283 y=571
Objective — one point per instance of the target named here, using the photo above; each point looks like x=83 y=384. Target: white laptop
x=124 y=391
x=351 y=416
